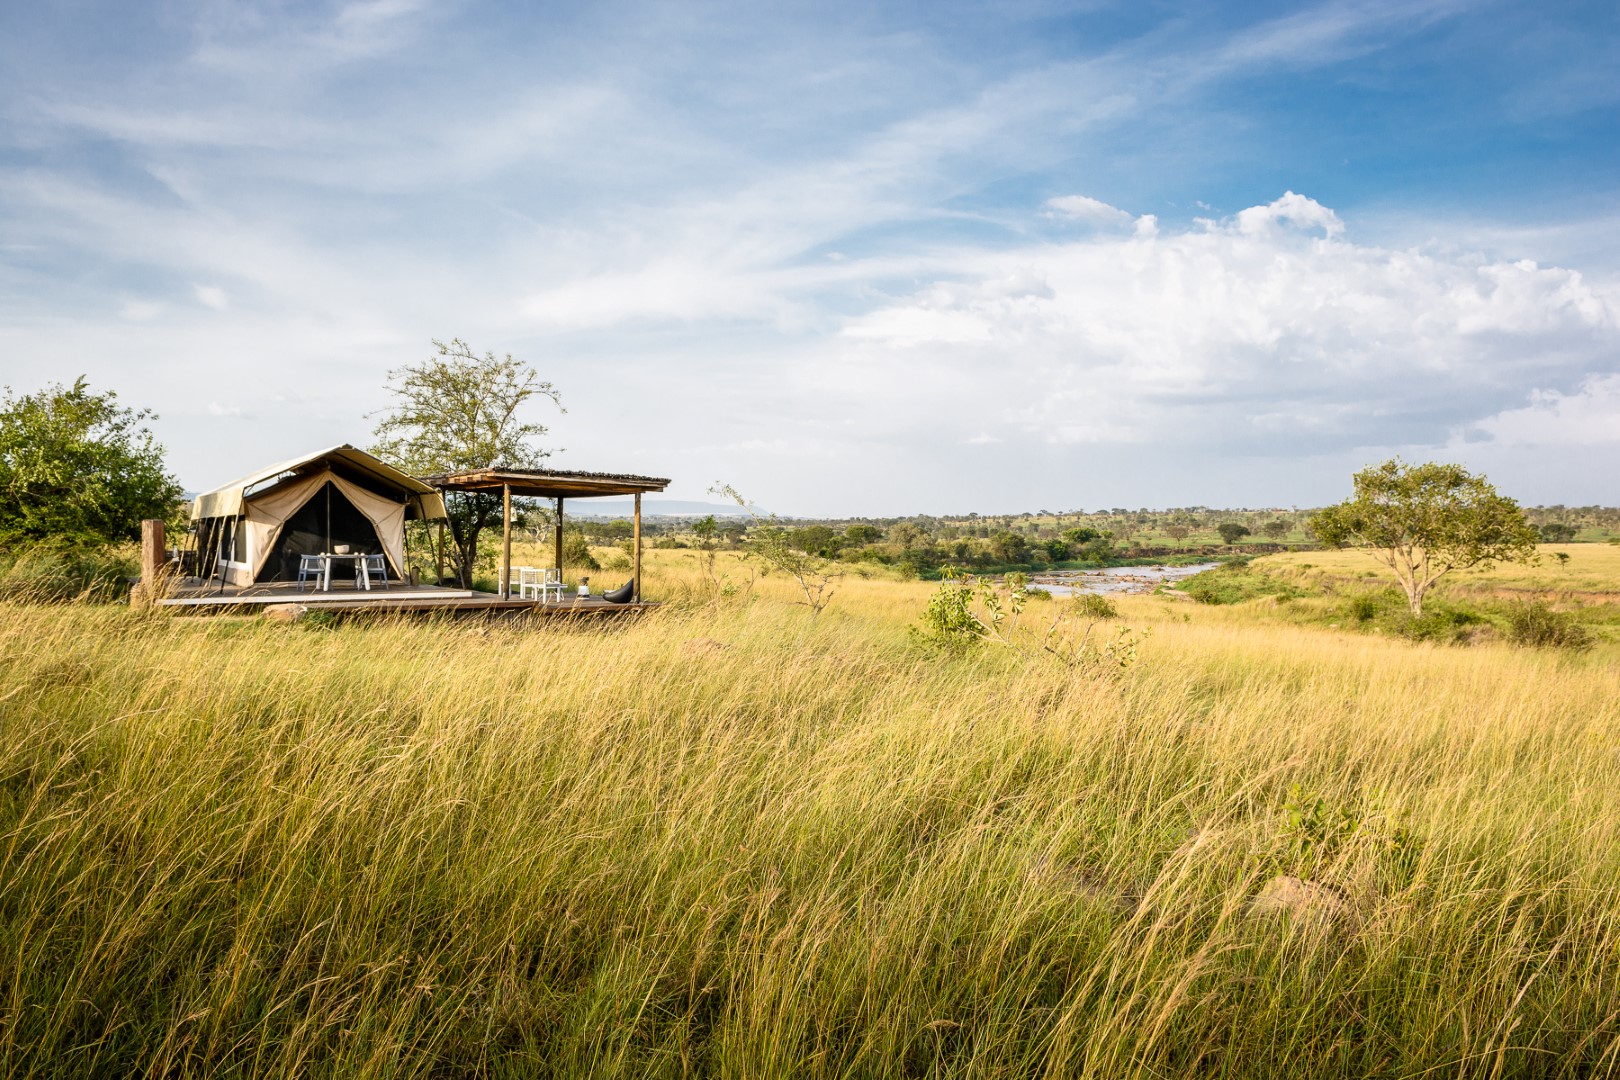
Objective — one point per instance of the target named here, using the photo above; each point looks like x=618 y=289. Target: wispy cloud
x=836 y=238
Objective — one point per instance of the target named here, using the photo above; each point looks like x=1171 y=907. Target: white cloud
x=1291 y=209
x=211 y=296
x=682 y=238
x=1588 y=417
x=1085 y=209
x=1266 y=331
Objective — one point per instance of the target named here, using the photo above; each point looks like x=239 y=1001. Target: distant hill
x=623 y=508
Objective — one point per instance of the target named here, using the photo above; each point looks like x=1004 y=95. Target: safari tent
x=254 y=529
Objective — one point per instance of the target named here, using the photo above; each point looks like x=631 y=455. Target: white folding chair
x=368 y=565
x=551 y=584
x=528 y=582
x=311 y=566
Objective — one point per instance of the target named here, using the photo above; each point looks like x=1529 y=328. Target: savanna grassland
x=728 y=839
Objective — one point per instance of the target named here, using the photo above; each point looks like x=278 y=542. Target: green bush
x=1368 y=606
x=1093 y=606
x=577 y=552
x=1234 y=582
x=1446 y=624
x=1534 y=623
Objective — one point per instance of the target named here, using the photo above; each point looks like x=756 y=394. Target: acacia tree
x=75 y=464
x=1424 y=521
x=457 y=411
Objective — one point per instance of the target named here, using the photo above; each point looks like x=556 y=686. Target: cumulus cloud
x=1290 y=210
x=1590 y=416
x=1267 y=331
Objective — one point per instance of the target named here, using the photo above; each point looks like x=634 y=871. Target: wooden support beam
x=506 y=541
x=153 y=559
x=440 y=579
x=636 y=567
x=557 y=537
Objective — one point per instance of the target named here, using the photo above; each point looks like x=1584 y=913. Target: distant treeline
x=923 y=543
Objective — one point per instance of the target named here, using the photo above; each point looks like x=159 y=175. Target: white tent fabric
x=267 y=513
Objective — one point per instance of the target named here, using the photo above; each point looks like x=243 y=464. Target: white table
x=326 y=569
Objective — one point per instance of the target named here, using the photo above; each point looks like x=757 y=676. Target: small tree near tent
x=457 y=411
x=1424 y=521
x=76 y=465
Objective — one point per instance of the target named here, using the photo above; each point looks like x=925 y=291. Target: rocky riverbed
x=1114 y=579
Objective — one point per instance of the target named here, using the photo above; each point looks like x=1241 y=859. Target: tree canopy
x=457 y=411
x=74 y=464
x=1424 y=521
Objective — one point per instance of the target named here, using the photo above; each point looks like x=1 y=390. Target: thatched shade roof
x=548 y=483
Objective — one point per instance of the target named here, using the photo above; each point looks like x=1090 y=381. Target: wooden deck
x=287 y=592
x=404 y=599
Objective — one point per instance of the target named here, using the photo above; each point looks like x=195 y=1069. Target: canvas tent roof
x=421 y=500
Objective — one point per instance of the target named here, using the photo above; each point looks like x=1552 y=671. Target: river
x=1114 y=579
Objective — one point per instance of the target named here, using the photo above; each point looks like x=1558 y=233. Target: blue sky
x=923 y=258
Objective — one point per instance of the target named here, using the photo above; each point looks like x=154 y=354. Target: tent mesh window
x=323 y=523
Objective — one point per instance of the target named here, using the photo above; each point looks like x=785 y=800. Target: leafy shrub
x=1534 y=624
x=1445 y=624
x=1233 y=583
x=967 y=611
x=1316 y=832
x=577 y=552
x=914 y=562
x=1365 y=607
x=949 y=621
x=1095 y=606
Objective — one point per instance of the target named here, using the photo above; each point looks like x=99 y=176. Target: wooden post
x=636 y=568
x=506 y=541
x=557 y=537
x=153 y=559
x=440 y=579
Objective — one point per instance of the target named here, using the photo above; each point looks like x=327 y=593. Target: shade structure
x=547 y=483
x=555 y=484
x=254 y=529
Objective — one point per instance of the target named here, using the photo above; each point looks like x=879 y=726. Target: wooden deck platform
x=287 y=592
x=490 y=603
x=404 y=599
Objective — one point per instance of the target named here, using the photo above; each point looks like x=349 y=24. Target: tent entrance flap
x=324 y=511
x=324 y=523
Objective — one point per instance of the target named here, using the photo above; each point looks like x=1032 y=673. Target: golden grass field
x=1591 y=570
x=727 y=839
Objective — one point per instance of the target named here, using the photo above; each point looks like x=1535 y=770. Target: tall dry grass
x=731 y=840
